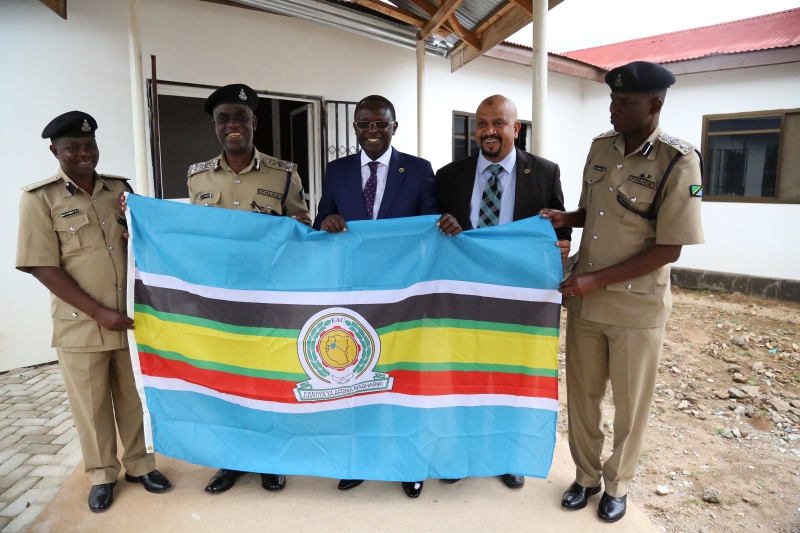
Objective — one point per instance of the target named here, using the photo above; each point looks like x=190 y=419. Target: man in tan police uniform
x=640 y=203
x=69 y=239
x=244 y=179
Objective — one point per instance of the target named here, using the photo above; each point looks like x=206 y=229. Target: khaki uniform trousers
x=628 y=357
x=100 y=387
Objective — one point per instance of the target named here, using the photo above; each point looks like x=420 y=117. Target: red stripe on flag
x=405 y=382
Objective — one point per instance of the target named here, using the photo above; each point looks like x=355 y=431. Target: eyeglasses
x=378 y=124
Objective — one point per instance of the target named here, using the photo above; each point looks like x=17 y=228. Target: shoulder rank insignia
x=279 y=164
x=681 y=146
x=113 y=177
x=200 y=167
x=34 y=186
x=609 y=133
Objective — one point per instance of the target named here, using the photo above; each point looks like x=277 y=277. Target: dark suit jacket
x=538 y=186
x=410 y=189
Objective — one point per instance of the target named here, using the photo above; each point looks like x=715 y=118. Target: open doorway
x=288 y=128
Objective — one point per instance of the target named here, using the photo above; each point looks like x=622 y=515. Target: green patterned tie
x=490 y=200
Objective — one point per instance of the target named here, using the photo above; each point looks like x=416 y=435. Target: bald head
x=496 y=127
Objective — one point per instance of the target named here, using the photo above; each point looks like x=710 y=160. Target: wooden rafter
x=395 y=12
x=510 y=23
x=444 y=11
x=525 y=5
x=430 y=10
x=482 y=25
x=464 y=34
x=59 y=6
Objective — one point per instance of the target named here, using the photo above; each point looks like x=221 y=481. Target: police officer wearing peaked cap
x=70 y=241
x=639 y=204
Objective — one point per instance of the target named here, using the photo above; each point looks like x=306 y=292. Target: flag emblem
x=338 y=349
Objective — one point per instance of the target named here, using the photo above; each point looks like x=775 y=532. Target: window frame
x=470 y=135
x=747 y=114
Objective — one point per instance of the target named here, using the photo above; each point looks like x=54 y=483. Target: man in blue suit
x=378 y=182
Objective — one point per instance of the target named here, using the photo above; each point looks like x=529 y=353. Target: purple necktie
x=371 y=187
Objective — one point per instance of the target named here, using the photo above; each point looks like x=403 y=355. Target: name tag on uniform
x=70 y=213
x=271 y=194
x=642 y=181
x=599 y=168
x=206 y=195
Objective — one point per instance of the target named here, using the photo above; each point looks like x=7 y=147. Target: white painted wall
x=52 y=66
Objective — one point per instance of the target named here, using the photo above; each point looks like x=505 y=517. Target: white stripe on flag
x=385 y=398
x=340 y=298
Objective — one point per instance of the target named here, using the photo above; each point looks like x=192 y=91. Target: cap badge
x=618 y=81
x=242 y=96
x=85 y=126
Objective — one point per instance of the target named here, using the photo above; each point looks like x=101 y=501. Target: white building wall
x=759 y=239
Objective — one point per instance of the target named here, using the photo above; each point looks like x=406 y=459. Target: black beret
x=71 y=124
x=639 y=77
x=238 y=93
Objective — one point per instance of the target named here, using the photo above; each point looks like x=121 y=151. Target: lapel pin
x=401 y=170
x=527 y=171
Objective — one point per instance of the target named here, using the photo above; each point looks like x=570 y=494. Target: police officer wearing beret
x=69 y=239
x=244 y=179
x=639 y=204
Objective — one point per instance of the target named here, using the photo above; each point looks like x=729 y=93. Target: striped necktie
x=490 y=200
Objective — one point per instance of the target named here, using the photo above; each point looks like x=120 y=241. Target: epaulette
x=681 y=146
x=113 y=177
x=279 y=164
x=609 y=133
x=34 y=186
x=200 y=167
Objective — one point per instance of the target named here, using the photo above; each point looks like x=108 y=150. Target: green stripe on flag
x=467 y=324
x=221 y=367
x=219 y=326
x=467 y=367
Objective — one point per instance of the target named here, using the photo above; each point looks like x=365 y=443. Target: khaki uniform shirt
x=61 y=225
x=261 y=187
x=613 y=233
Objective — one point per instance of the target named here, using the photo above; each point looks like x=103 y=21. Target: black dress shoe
x=347 y=484
x=450 y=481
x=153 y=481
x=273 y=482
x=512 y=481
x=412 y=488
x=101 y=497
x=577 y=496
x=222 y=480
x=611 y=509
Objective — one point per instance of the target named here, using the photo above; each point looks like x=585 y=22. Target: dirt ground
x=725 y=421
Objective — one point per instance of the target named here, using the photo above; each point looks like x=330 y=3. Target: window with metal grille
x=464 y=144
x=752 y=157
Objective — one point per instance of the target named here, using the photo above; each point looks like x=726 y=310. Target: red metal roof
x=775 y=30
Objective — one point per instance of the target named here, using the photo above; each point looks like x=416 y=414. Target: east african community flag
x=388 y=352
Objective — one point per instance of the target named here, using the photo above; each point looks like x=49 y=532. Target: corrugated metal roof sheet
x=775 y=30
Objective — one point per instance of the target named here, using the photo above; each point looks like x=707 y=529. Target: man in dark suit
x=378 y=182
x=501 y=184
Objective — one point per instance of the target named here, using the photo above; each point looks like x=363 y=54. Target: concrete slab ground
x=314 y=504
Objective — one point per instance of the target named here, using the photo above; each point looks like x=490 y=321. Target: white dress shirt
x=508 y=186
x=382 y=172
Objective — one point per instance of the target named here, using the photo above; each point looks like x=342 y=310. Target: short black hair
x=377 y=98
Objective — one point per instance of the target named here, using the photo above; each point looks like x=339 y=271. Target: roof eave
x=522 y=55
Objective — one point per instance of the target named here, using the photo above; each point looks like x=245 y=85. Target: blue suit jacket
x=410 y=189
